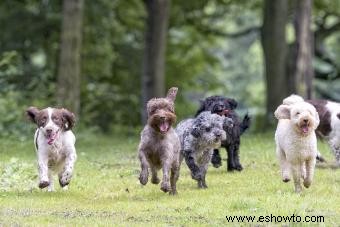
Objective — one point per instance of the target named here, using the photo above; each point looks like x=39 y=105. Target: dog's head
x=301 y=114
x=51 y=121
x=161 y=112
x=217 y=104
x=208 y=127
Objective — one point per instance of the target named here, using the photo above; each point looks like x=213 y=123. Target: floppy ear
x=31 y=113
x=232 y=103
x=195 y=132
x=172 y=94
x=282 y=112
x=68 y=119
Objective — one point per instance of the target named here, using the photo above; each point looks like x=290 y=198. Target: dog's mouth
x=51 y=137
x=223 y=112
x=164 y=127
x=304 y=127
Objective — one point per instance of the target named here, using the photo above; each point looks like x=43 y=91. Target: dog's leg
x=190 y=160
x=310 y=166
x=165 y=185
x=50 y=178
x=154 y=179
x=204 y=167
x=284 y=165
x=43 y=170
x=296 y=172
x=66 y=174
x=174 y=177
x=335 y=146
x=216 y=159
x=236 y=154
x=144 y=173
x=230 y=152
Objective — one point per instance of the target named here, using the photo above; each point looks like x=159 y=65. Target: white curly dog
x=296 y=143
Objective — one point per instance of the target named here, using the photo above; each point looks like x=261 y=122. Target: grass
x=105 y=190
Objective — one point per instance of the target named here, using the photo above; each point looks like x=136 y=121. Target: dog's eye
x=55 y=118
x=208 y=129
x=297 y=113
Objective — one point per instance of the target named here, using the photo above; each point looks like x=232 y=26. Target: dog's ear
x=232 y=103
x=195 y=132
x=32 y=113
x=282 y=112
x=69 y=119
x=172 y=94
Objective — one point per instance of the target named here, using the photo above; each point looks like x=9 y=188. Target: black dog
x=225 y=106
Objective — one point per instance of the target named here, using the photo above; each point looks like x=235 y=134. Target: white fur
x=58 y=157
x=333 y=138
x=296 y=150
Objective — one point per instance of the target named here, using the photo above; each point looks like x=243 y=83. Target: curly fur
x=159 y=146
x=198 y=137
x=226 y=106
x=296 y=144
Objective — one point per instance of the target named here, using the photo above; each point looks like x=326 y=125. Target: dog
x=198 y=137
x=226 y=106
x=159 y=146
x=329 y=127
x=54 y=144
x=296 y=143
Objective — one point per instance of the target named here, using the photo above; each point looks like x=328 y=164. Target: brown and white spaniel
x=54 y=143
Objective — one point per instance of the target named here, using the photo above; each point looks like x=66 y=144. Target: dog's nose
x=218 y=134
x=305 y=120
x=48 y=131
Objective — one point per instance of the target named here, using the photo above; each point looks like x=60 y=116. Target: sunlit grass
x=105 y=189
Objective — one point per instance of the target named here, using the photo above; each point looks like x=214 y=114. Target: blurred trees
x=68 y=85
x=212 y=47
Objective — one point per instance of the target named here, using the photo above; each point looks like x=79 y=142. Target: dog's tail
x=245 y=124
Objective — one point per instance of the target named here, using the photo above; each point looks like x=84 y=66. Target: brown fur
x=159 y=146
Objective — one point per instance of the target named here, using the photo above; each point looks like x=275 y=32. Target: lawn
x=105 y=189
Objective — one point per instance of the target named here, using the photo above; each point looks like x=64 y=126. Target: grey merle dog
x=226 y=106
x=198 y=137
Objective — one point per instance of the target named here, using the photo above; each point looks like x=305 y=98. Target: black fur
x=226 y=106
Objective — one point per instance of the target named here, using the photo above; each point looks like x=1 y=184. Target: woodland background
x=104 y=59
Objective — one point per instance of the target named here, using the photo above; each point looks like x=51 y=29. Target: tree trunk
x=68 y=85
x=275 y=52
x=153 y=82
x=304 y=72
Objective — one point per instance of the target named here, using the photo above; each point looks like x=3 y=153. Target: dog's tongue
x=304 y=128
x=51 y=138
x=164 y=126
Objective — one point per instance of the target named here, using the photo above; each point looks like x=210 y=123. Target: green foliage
x=105 y=190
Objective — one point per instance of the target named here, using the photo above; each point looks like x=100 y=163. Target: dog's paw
x=238 y=167
x=196 y=175
x=65 y=179
x=307 y=183
x=43 y=184
x=216 y=161
x=143 y=178
x=202 y=185
x=165 y=187
x=173 y=192
x=286 y=179
x=155 y=180
x=63 y=183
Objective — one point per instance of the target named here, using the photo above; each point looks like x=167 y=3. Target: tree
x=153 y=84
x=68 y=85
x=303 y=69
x=275 y=53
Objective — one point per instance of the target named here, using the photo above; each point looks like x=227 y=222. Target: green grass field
x=105 y=190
